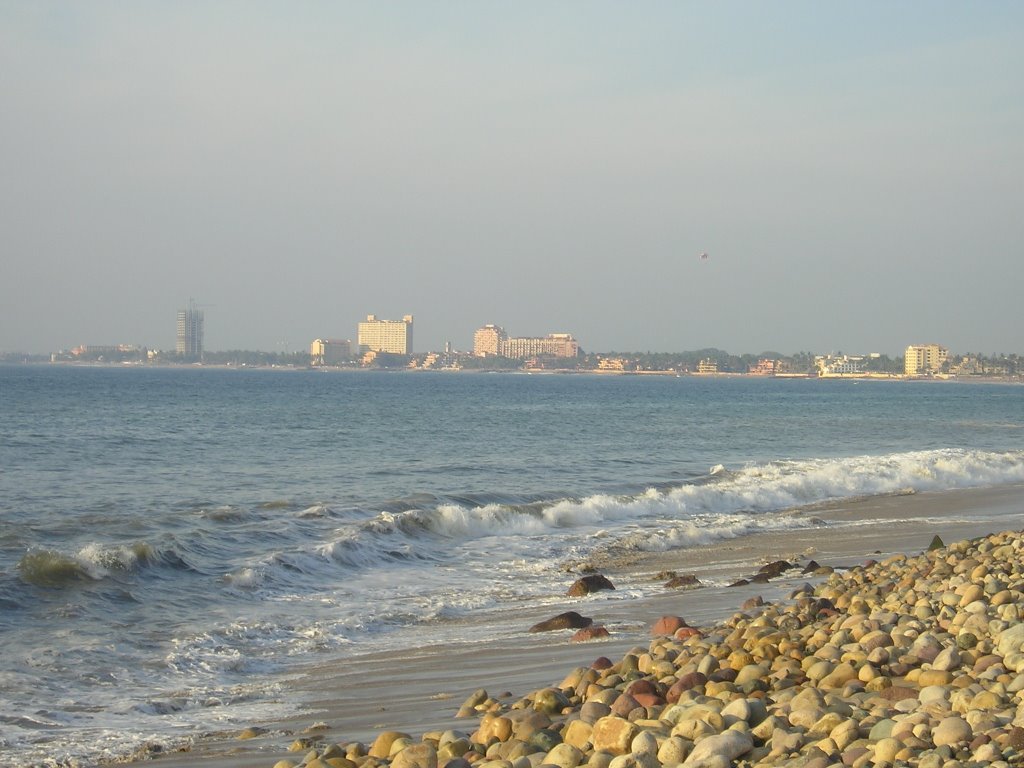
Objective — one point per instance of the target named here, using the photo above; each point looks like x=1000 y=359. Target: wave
x=692 y=511
x=93 y=562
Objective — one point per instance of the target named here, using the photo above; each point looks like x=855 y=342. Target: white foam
x=245 y=577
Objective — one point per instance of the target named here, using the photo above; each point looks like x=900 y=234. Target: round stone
x=951 y=730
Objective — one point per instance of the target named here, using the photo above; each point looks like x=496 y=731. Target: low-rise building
x=839 y=365
x=612 y=363
x=330 y=351
x=766 y=367
x=552 y=345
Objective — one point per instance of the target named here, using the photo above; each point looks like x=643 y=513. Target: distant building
x=707 y=366
x=839 y=365
x=553 y=345
x=107 y=353
x=489 y=340
x=330 y=351
x=190 y=332
x=766 y=367
x=612 y=364
x=924 y=359
x=394 y=336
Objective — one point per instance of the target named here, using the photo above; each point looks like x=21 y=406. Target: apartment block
x=489 y=340
x=924 y=359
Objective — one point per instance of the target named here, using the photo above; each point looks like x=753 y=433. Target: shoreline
x=417 y=690
x=1017 y=380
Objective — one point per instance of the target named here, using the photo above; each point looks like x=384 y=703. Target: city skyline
x=851 y=172
x=395 y=336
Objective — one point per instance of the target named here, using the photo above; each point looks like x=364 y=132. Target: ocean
x=177 y=544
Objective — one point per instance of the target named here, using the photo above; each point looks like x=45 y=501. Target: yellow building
x=488 y=340
x=924 y=359
x=394 y=336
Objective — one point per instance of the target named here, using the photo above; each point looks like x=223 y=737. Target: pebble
x=914 y=661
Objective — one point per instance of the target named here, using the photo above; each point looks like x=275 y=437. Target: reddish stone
x=642 y=686
x=1015 y=738
x=649 y=700
x=624 y=704
x=667 y=625
x=685 y=683
x=589 y=633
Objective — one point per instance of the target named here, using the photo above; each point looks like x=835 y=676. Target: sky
x=854 y=171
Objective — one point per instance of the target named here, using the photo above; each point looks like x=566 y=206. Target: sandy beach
x=421 y=690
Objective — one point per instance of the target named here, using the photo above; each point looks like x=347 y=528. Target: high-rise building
x=394 y=336
x=488 y=340
x=923 y=359
x=190 y=332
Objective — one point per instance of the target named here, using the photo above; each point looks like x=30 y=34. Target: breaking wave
x=94 y=562
x=725 y=504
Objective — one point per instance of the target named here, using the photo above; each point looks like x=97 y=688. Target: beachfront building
x=392 y=336
x=612 y=363
x=190 y=332
x=330 y=351
x=924 y=359
x=553 y=345
x=488 y=341
x=839 y=365
x=707 y=366
x=766 y=367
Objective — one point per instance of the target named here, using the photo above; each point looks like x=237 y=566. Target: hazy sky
x=854 y=170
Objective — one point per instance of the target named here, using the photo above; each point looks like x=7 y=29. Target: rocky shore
x=915 y=660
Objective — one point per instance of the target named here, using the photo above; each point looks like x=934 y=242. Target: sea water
x=176 y=543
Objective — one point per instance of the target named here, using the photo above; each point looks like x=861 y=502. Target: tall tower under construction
x=190 y=332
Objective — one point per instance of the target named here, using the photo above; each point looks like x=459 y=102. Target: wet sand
x=420 y=690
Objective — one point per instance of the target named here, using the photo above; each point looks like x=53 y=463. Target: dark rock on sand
x=680 y=582
x=587 y=584
x=567 y=620
x=776 y=568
